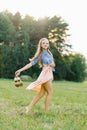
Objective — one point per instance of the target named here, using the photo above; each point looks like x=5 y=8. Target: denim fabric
x=46 y=59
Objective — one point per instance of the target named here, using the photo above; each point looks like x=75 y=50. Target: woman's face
x=45 y=44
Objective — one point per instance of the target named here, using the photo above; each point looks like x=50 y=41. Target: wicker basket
x=18 y=82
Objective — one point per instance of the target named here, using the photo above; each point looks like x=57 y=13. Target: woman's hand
x=17 y=73
x=52 y=64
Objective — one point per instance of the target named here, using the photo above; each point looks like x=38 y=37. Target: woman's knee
x=49 y=92
x=48 y=87
x=42 y=92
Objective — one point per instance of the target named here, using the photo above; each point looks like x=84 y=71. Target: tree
x=58 y=34
x=78 y=68
x=7 y=29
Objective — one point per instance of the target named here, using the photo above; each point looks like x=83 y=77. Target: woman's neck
x=44 y=49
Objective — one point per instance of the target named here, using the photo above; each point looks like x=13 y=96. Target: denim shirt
x=46 y=59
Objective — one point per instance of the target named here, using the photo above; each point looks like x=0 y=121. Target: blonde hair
x=39 y=51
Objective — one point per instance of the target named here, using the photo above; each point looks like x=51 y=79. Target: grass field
x=68 y=108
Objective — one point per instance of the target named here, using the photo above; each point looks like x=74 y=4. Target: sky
x=72 y=11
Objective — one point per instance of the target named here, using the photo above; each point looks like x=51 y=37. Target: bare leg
x=36 y=99
x=48 y=88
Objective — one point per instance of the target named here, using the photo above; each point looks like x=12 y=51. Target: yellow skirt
x=45 y=75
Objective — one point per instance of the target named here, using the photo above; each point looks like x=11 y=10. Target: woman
x=44 y=82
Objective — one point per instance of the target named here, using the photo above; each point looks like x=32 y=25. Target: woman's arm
x=33 y=62
x=17 y=73
x=53 y=63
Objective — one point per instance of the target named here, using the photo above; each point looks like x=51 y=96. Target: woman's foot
x=26 y=110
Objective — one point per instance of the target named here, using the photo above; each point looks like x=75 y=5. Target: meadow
x=68 y=108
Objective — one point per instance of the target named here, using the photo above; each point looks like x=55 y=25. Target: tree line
x=19 y=37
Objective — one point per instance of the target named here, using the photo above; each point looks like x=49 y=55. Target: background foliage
x=18 y=41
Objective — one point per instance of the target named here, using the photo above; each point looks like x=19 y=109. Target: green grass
x=68 y=108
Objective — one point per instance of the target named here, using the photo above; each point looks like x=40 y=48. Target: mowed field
x=67 y=111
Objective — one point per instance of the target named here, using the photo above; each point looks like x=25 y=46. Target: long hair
x=39 y=51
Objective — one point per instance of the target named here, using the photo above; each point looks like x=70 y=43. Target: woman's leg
x=48 y=88
x=36 y=99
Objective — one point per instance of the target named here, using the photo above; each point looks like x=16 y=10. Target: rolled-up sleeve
x=35 y=60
